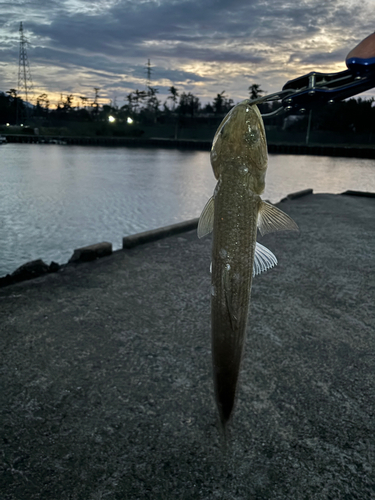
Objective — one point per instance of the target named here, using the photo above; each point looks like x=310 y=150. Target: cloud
x=204 y=46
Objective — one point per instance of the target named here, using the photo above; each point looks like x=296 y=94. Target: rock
x=30 y=270
x=53 y=267
x=6 y=280
x=91 y=252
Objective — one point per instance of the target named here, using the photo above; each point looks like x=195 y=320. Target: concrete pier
x=106 y=388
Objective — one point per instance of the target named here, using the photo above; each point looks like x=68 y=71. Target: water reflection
x=57 y=198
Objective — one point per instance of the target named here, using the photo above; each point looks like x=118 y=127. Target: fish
x=233 y=214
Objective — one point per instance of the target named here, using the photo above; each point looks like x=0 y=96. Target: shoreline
x=347 y=151
x=36 y=268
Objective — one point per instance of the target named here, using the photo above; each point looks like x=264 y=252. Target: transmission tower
x=25 y=83
x=149 y=71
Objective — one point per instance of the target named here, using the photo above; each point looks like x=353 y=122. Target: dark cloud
x=128 y=26
x=208 y=43
x=321 y=57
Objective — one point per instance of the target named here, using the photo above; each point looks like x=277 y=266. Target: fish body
x=239 y=162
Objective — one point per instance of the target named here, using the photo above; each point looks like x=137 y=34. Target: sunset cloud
x=201 y=47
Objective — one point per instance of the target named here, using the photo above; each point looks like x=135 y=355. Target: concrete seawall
x=106 y=388
x=298 y=149
x=111 y=141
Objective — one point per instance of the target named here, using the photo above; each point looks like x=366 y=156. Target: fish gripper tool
x=314 y=89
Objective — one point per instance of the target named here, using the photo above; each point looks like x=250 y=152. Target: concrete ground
x=106 y=389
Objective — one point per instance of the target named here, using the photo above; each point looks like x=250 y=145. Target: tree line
x=145 y=107
x=140 y=104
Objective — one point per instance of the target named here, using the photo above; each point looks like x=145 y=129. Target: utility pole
x=25 y=83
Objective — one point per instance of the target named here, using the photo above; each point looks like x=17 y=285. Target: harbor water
x=56 y=198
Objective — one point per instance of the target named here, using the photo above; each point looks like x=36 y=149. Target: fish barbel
x=235 y=211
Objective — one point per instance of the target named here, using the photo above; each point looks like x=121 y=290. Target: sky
x=203 y=47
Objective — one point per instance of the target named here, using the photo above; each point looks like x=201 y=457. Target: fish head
x=240 y=147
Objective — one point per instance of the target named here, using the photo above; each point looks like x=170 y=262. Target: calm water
x=56 y=198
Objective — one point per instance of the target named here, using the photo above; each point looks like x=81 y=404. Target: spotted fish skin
x=234 y=238
x=236 y=210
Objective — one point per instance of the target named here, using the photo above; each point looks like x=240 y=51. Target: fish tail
x=225 y=441
x=226 y=373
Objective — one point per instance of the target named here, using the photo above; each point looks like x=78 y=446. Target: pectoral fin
x=206 y=220
x=263 y=259
x=272 y=219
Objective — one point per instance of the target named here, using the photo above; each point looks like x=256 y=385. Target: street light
x=111 y=119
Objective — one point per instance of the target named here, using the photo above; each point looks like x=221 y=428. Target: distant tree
x=153 y=102
x=4 y=108
x=11 y=105
x=130 y=99
x=42 y=101
x=12 y=93
x=16 y=108
x=138 y=97
x=354 y=115
x=174 y=94
x=218 y=102
x=208 y=108
x=152 y=91
x=84 y=101
x=60 y=103
x=95 y=103
x=255 y=91
x=107 y=111
x=42 y=105
x=188 y=104
x=221 y=104
x=67 y=104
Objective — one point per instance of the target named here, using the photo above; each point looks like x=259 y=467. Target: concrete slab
x=106 y=387
x=91 y=252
